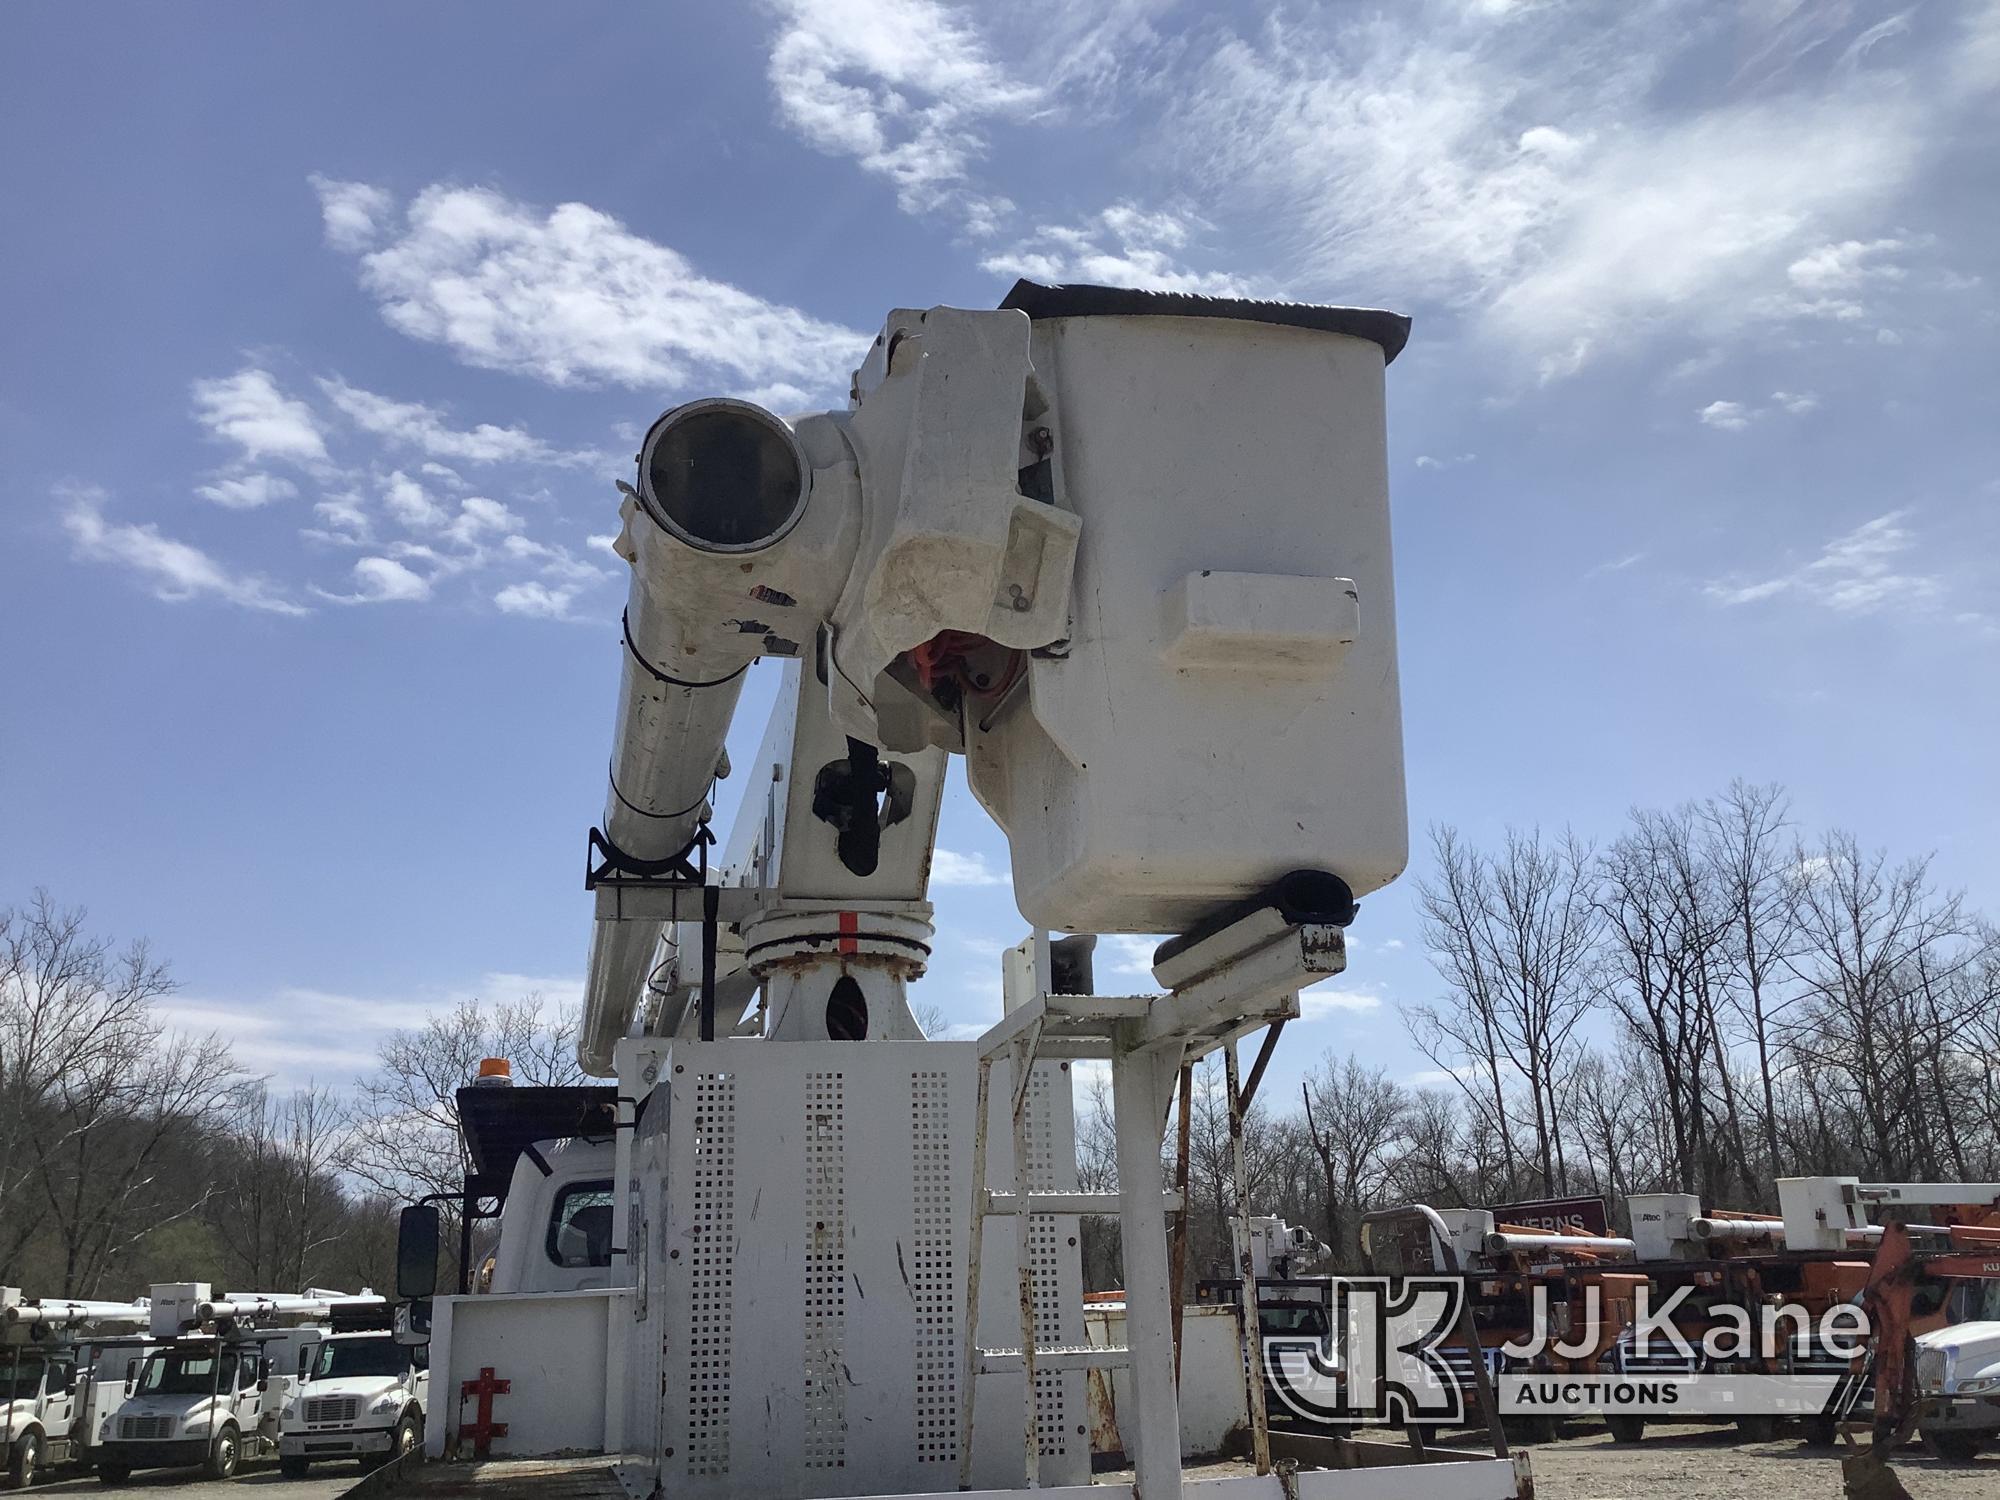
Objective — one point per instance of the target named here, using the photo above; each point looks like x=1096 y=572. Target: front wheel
x=409 y=1435
x=112 y=1473
x=223 y=1454
x=1625 y=1429
x=1955 y=1444
x=294 y=1467
x=21 y=1465
x=1821 y=1431
x=1762 y=1428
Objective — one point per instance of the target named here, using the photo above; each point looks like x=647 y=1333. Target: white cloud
x=1124 y=246
x=1734 y=416
x=479 y=518
x=383 y=580
x=1330 y=997
x=1449 y=461
x=1856 y=573
x=573 y=297
x=176 y=571
x=901 y=86
x=951 y=868
x=537 y=600
x=249 y=410
x=247 y=491
x=343 y=519
x=410 y=504
x=415 y=425
x=354 y=212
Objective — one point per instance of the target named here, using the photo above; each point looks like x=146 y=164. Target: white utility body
x=1128 y=552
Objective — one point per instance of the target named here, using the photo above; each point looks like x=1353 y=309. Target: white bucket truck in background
x=212 y=1391
x=362 y=1394
x=63 y=1368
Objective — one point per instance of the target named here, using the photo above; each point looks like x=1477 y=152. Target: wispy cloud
x=572 y=297
x=538 y=600
x=383 y=580
x=1331 y=997
x=247 y=491
x=1729 y=416
x=1125 y=245
x=1530 y=166
x=948 y=867
x=412 y=424
x=1856 y=573
x=173 y=570
x=903 y=87
x=1735 y=416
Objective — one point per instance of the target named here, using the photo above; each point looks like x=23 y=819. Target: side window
x=580 y=1225
x=226 y=1377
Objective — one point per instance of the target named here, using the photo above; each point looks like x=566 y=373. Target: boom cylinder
x=722 y=484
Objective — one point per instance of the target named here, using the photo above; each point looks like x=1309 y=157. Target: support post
x=1180 y=1240
x=1139 y=1081
x=1250 y=1327
x=968 y=1384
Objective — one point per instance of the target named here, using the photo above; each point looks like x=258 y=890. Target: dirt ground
x=1680 y=1463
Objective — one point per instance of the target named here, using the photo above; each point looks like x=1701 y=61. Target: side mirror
x=263 y=1373
x=131 y=1375
x=69 y=1380
x=417 y=1237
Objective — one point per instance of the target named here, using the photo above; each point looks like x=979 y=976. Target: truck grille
x=145 y=1429
x=321 y=1410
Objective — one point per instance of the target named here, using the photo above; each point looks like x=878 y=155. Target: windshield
x=20 y=1381
x=340 y=1357
x=178 y=1372
x=1976 y=1302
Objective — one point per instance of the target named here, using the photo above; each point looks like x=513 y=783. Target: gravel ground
x=1687 y=1463
x=1683 y=1462
x=259 y=1481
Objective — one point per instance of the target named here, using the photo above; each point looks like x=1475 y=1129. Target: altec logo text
x=1398 y=1354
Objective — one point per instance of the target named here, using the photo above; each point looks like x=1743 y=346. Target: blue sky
x=328 y=329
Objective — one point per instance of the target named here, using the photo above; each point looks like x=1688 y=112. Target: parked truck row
x=185 y=1378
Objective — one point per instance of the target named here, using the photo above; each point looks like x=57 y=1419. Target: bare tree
x=97 y=1098
x=1512 y=936
x=1354 y=1117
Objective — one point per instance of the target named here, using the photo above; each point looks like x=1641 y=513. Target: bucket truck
x=62 y=1370
x=1936 y=1366
x=212 y=1389
x=1128 y=554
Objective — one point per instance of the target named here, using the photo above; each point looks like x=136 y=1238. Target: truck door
x=59 y=1400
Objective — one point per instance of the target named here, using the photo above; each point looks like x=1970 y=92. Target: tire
x=224 y=1453
x=1757 y=1429
x=25 y=1459
x=1955 y=1444
x=294 y=1467
x=112 y=1473
x=1625 y=1429
x=409 y=1436
x=1528 y=1431
x=1820 y=1431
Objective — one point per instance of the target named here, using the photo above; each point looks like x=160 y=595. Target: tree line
x=132 y=1152
x=1707 y=1001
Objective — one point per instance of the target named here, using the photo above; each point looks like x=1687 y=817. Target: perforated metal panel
x=1052 y=1426
x=810 y=1233
x=711 y=1256
x=940 y=1218
x=826 y=1272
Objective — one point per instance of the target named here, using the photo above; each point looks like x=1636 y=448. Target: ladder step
x=1056 y=1360
x=1101 y=1205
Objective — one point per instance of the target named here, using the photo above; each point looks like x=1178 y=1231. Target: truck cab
x=39 y=1400
x=556 y=1232
x=1958 y=1372
x=362 y=1395
x=198 y=1400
